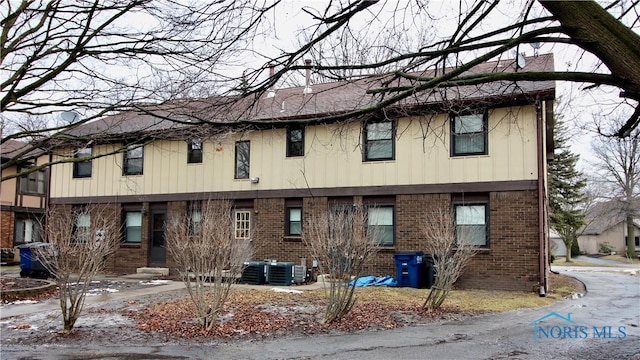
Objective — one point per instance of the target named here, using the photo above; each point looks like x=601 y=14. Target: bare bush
x=341 y=240
x=208 y=256
x=450 y=256
x=80 y=242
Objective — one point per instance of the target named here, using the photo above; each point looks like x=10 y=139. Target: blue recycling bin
x=29 y=265
x=409 y=268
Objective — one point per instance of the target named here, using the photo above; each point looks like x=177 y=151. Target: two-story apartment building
x=22 y=199
x=478 y=150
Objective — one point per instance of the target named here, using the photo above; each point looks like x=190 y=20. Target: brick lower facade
x=7 y=219
x=510 y=262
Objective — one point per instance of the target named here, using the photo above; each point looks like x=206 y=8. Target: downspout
x=541 y=220
x=47 y=197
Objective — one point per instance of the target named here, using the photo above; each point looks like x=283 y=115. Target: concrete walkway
x=600 y=261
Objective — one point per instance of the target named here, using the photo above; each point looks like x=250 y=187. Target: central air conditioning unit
x=253 y=273
x=280 y=273
x=299 y=274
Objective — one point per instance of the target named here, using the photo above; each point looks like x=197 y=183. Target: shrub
x=605 y=248
x=575 y=248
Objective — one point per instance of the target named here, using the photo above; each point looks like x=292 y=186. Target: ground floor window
x=133 y=227
x=636 y=238
x=294 y=221
x=26 y=230
x=82 y=225
x=381 y=223
x=471 y=224
x=242 y=224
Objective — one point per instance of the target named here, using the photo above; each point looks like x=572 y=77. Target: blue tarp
x=374 y=281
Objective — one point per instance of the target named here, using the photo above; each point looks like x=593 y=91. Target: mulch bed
x=13 y=289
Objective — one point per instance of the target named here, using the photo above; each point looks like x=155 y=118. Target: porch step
x=153 y=270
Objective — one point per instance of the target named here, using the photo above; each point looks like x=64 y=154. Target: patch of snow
x=631 y=271
x=20 y=302
x=289 y=291
x=154 y=282
x=103 y=320
x=576 y=296
x=99 y=291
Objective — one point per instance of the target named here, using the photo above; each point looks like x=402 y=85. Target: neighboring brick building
x=22 y=199
x=479 y=150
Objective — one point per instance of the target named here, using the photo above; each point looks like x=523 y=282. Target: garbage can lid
x=32 y=245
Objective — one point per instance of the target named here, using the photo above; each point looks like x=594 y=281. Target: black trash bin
x=429 y=276
x=30 y=266
x=409 y=268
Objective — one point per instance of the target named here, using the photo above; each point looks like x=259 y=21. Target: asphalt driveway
x=603 y=324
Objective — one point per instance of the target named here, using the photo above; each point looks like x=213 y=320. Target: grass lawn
x=622 y=259
x=562 y=262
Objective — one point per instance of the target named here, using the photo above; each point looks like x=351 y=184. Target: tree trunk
x=631 y=238
x=568 y=245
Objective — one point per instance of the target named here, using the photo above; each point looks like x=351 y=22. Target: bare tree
x=452 y=249
x=618 y=175
x=208 y=256
x=101 y=57
x=342 y=240
x=182 y=50
x=79 y=242
x=606 y=34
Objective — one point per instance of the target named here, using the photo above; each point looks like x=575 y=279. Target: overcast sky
x=579 y=107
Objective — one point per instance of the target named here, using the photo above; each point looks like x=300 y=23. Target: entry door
x=158 y=250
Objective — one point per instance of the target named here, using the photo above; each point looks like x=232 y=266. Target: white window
x=26 y=231
x=380 y=222
x=83 y=226
x=294 y=221
x=133 y=227
x=471 y=224
x=195 y=217
x=243 y=224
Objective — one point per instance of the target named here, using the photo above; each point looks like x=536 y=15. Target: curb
x=28 y=291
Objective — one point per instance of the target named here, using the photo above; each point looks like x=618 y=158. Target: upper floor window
x=132 y=160
x=133 y=226
x=194 y=151
x=381 y=223
x=469 y=134
x=82 y=169
x=471 y=223
x=294 y=221
x=379 y=141
x=32 y=183
x=243 y=149
x=295 y=141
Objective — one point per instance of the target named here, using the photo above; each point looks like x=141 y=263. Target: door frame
x=152 y=212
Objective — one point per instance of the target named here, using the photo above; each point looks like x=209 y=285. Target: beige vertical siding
x=332 y=158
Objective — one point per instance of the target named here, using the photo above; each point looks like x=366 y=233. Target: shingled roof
x=324 y=101
x=603 y=216
x=13 y=148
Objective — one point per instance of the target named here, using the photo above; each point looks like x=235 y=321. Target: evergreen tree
x=566 y=190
